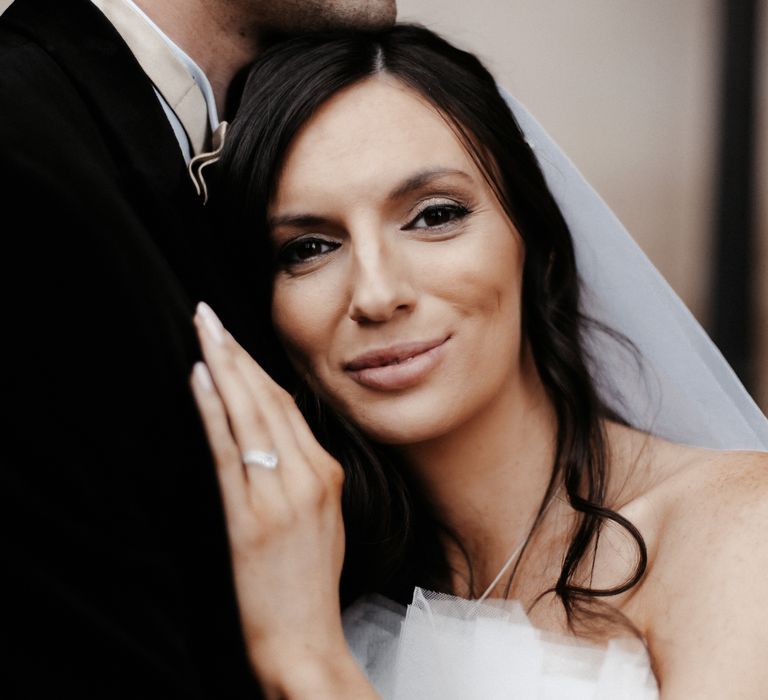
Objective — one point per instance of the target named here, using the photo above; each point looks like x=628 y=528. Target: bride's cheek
x=297 y=313
x=287 y=313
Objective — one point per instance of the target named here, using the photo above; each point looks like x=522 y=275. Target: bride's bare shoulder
x=708 y=564
x=721 y=487
x=697 y=505
x=678 y=485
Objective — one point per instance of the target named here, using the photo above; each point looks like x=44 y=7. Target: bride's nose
x=380 y=281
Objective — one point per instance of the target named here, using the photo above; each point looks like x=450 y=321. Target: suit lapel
x=99 y=64
x=119 y=95
x=121 y=98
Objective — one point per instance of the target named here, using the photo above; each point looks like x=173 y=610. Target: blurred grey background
x=661 y=104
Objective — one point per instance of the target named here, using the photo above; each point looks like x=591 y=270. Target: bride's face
x=397 y=292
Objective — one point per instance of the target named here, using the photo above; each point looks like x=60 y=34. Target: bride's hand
x=284 y=523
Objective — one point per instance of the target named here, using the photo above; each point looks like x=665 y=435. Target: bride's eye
x=304 y=250
x=437 y=215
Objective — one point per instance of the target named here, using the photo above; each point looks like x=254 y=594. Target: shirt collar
x=174 y=74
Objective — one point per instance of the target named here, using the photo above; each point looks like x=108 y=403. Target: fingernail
x=203 y=376
x=211 y=322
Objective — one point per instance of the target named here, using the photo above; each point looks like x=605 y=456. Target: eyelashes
x=437 y=215
x=433 y=215
x=304 y=249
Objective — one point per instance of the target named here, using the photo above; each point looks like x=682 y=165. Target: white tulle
x=445 y=648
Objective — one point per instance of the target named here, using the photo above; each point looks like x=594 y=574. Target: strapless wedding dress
x=445 y=648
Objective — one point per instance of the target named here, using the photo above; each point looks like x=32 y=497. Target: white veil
x=682 y=388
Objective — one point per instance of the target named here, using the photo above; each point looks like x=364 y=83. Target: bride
x=503 y=450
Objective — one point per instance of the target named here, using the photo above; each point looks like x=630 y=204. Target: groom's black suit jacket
x=113 y=541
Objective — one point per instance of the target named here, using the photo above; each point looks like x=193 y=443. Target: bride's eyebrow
x=411 y=184
x=422 y=179
x=296 y=220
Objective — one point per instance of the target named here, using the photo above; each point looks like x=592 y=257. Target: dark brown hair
x=394 y=540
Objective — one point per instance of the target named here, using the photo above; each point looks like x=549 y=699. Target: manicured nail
x=203 y=376
x=211 y=322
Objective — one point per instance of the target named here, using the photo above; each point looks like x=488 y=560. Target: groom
x=116 y=569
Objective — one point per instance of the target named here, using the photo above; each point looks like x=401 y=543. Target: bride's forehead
x=378 y=123
x=369 y=135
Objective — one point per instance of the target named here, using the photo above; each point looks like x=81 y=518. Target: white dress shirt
x=180 y=85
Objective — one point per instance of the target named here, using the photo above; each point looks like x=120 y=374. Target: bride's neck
x=486 y=479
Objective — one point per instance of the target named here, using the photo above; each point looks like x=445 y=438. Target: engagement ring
x=260 y=458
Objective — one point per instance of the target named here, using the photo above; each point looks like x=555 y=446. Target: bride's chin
x=399 y=430
x=407 y=421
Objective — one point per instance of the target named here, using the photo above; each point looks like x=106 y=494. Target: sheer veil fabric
x=669 y=379
x=678 y=386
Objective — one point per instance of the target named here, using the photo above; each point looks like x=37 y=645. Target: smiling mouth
x=397 y=367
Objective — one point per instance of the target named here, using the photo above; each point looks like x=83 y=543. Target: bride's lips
x=397 y=366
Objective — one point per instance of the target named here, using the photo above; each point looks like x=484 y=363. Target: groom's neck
x=221 y=36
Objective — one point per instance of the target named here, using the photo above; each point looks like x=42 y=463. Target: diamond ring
x=260 y=458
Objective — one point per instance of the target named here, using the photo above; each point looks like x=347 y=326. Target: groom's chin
x=288 y=18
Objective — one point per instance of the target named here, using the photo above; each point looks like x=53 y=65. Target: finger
x=305 y=471
x=324 y=464
x=293 y=432
x=226 y=454
x=279 y=411
x=279 y=402
x=247 y=422
x=248 y=426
